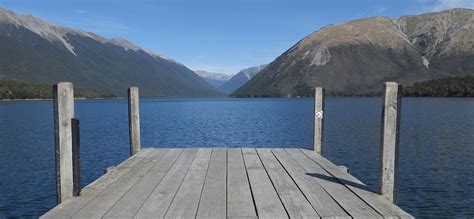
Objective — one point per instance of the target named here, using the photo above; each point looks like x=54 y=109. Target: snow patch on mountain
x=213 y=75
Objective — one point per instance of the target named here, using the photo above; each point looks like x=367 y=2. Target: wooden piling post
x=389 y=140
x=63 y=94
x=134 y=120
x=76 y=157
x=318 y=119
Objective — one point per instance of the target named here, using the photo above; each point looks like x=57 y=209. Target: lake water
x=436 y=143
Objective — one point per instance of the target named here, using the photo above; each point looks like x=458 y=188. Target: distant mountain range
x=356 y=57
x=33 y=50
x=214 y=79
x=240 y=79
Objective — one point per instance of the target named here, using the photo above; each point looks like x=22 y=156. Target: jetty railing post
x=389 y=140
x=76 y=157
x=134 y=120
x=63 y=94
x=318 y=119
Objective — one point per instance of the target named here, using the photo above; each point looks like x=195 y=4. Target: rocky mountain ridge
x=34 y=50
x=356 y=57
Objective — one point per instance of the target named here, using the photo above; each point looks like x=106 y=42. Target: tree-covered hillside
x=23 y=90
x=445 y=87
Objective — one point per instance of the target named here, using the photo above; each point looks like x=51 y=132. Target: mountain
x=240 y=79
x=34 y=50
x=356 y=57
x=214 y=79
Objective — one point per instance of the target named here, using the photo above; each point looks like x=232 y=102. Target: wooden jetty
x=224 y=182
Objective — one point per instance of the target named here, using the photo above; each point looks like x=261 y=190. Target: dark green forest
x=444 y=87
x=23 y=90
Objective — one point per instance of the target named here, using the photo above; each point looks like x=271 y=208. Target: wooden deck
x=227 y=183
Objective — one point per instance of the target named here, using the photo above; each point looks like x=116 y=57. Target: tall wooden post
x=134 y=120
x=318 y=119
x=76 y=157
x=63 y=94
x=389 y=140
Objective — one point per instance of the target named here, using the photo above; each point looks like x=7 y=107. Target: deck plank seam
x=248 y=180
x=167 y=171
x=297 y=186
x=156 y=163
x=123 y=175
x=345 y=185
x=204 y=183
x=226 y=182
x=276 y=191
x=399 y=214
x=323 y=187
x=278 y=167
x=325 y=190
x=315 y=182
x=181 y=183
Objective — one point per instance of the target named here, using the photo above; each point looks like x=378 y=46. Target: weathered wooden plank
x=239 y=196
x=352 y=204
x=377 y=202
x=274 y=175
x=70 y=207
x=102 y=203
x=294 y=201
x=213 y=202
x=134 y=120
x=160 y=199
x=129 y=204
x=389 y=140
x=267 y=201
x=321 y=201
x=186 y=201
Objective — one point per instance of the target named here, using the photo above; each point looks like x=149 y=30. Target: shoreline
x=210 y=98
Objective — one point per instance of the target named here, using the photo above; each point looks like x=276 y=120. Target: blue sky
x=217 y=35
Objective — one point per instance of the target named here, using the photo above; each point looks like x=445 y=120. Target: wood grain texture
x=63 y=101
x=213 y=202
x=70 y=207
x=266 y=198
x=129 y=204
x=227 y=183
x=103 y=202
x=321 y=201
x=377 y=202
x=292 y=198
x=318 y=119
x=239 y=196
x=186 y=201
x=160 y=198
x=134 y=120
x=391 y=109
x=350 y=202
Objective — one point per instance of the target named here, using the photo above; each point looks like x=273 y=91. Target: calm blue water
x=436 y=148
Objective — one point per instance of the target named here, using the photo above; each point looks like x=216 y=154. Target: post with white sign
x=134 y=120
x=318 y=119
x=389 y=140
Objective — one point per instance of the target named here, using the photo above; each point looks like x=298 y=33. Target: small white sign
x=319 y=114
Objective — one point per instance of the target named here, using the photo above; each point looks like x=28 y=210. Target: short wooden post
x=63 y=94
x=134 y=120
x=76 y=157
x=318 y=119
x=389 y=140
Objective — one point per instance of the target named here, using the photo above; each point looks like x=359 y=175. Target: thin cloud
x=440 y=5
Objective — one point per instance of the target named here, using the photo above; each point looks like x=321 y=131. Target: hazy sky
x=217 y=35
